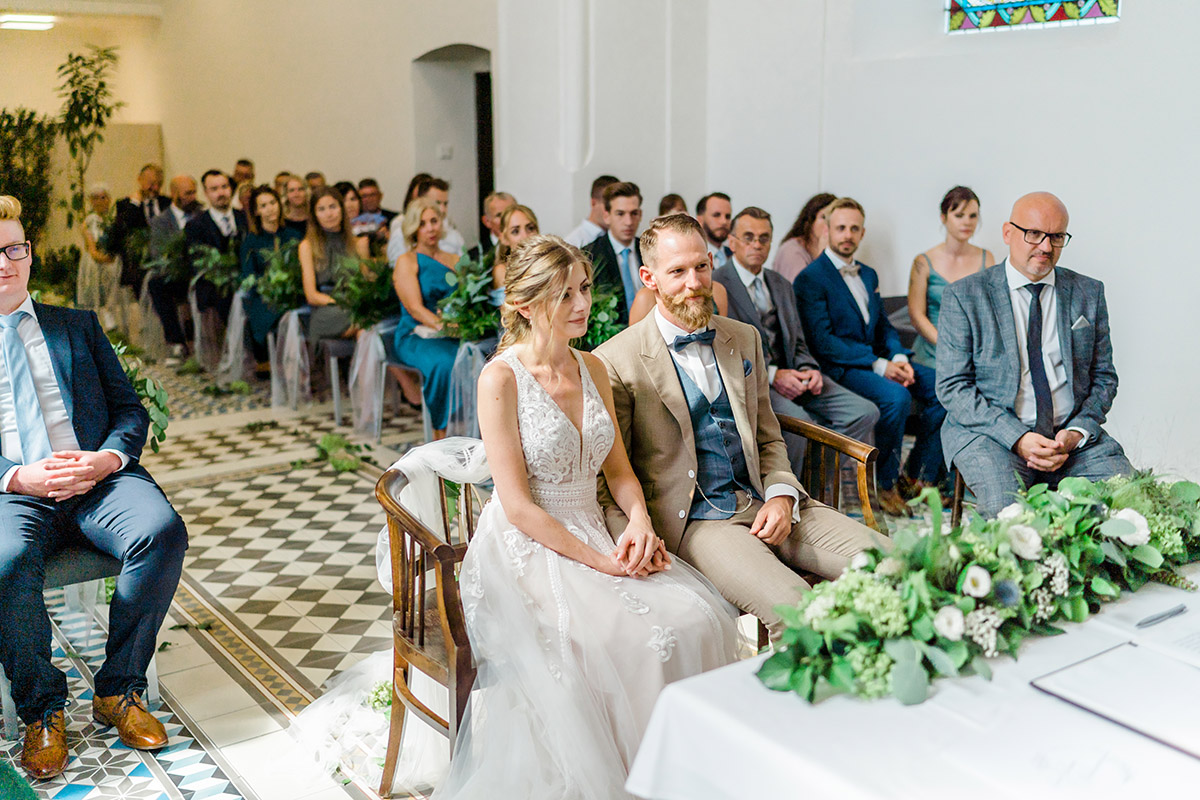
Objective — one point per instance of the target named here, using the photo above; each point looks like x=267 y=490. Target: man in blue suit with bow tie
x=1025 y=366
x=71 y=430
x=856 y=345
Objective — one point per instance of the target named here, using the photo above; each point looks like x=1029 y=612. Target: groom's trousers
x=755 y=576
x=127 y=516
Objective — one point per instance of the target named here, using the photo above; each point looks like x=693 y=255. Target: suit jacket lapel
x=1005 y=321
x=58 y=342
x=1063 y=290
x=833 y=277
x=660 y=367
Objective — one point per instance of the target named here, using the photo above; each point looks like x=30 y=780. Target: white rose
x=889 y=566
x=1141 y=532
x=978 y=582
x=1025 y=541
x=1011 y=511
x=949 y=623
x=860 y=561
x=953 y=552
x=818 y=609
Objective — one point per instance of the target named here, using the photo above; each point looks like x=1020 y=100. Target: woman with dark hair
x=942 y=265
x=328 y=241
x=671 y=204
x=267 y=234
x=295 y=209
x=414 y=187
x=807 y=239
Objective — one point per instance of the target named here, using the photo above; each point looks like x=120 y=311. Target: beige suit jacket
x=656 y=427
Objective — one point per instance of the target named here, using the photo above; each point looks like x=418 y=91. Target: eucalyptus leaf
x=776 y=672
x=982 y=667
x=1116 y=528
x=1103 y=586
x=910 y=682
x=1186 y=492
x=1148 y=555
x=1111 y=551
x=941 y=660
x=901 y=650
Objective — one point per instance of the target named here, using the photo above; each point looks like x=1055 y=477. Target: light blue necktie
x=35 y=441
x=631 y=288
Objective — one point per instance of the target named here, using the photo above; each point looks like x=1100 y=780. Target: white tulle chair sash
x=233 y=357
x=290 y=369
x=366 y=381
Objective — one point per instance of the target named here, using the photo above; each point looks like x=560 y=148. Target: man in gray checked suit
x=1024 y=365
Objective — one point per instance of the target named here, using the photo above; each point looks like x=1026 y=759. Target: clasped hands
x=901 y=372
x=1047 y=455
x=64 y=474
x=791 y=383
x=639 y=552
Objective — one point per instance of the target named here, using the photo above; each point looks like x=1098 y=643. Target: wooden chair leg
x=395 y=732
x=764 y=636
x=960 y=487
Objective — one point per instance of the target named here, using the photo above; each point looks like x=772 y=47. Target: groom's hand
x=636 y=548
x=774 y=520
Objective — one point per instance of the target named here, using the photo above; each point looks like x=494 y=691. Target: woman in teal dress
x=267 y=233
x=421 y=279
x=941 y=265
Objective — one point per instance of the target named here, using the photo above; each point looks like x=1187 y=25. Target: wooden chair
x=960 y=489
x=429 y=631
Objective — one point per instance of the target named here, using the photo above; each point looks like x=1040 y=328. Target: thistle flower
x=1008 y=593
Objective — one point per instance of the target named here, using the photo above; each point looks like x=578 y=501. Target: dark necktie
x=1037 y=364
x=703 y=337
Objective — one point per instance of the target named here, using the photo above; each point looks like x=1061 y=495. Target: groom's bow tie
x=703 y=337
x=850 y=269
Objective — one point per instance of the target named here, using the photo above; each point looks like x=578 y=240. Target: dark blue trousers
x=126 y=516
x=894 y=403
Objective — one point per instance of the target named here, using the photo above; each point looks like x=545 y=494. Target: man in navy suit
x=1025 y=365
x=222 y=228
x=71 y=431
x=856 y=345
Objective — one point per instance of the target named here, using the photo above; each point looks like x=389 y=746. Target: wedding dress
x=570 y=660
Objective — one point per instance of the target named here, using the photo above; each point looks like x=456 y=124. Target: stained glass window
x=985 y=16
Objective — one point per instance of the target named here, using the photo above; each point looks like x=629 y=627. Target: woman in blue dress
x=421 y=278
x=267 y=233
x=942 y=265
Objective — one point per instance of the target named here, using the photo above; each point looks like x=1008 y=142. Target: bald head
x=1033 y=217
x=183 y=191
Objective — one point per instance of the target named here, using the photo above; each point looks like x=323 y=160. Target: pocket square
x=1081 y=323
x=746 y=366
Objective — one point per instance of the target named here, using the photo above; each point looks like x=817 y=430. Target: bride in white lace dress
x=574 y=634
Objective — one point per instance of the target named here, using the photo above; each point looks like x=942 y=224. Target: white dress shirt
x=700 y=363
x=1056 y=372
x=720 y=257
x=226 y=222
x=861 y=296
x=180 y=217
x=584 y=234
x=748 y=280
x=45 y=384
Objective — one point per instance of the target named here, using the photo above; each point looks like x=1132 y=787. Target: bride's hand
x=636 y=549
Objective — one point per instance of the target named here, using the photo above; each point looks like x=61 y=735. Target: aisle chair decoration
x=944 y=601
x=172 y=265
x=364 y=289
x=282 y=289
x=223 y=271
x=603 y=322
x=471 y=314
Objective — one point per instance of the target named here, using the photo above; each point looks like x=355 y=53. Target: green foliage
x=110 y=588
x=467 y=312
x=26 y=142
x=280 y=286
x=222 y=269
x=88 y=105
x=190 y=367
x=940 y=603
x=152 y=394
x=380 y=698
x=55 y=273
x=604 y=321
x=260 y=425
x=170 y=260
x=364 y=290
x=340 y=453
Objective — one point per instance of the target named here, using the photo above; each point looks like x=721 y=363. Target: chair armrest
x=387 y=490
x=859 y=451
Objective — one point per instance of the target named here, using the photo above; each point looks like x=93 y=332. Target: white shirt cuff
x=900 y=358
x=124 y=458
x=1082 y=433
x=880 y=366
x=783 y=490
x=7 y=479
x=771 y=373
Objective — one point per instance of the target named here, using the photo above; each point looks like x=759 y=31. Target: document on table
x=1177 y=636
x=1137 y=687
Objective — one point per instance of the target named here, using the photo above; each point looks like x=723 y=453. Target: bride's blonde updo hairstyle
x=535 y=279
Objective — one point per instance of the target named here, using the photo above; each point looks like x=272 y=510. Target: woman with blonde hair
x=422 y=278
x=517 y=224
x=295 y=204
x=574 y=633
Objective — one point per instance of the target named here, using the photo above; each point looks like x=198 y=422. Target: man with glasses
x=71 y=432
x=764 y=298
x=1025 y=367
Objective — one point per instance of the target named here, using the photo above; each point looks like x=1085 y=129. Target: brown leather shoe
x=127 y=712
x=45 y=751
x=892 y=504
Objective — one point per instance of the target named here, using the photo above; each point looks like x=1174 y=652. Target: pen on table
x=1162 y=616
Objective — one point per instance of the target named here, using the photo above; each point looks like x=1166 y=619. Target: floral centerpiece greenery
x=222 y=269
x=468 y=313
x=364 y=290
x=604 y=320
x=280 y=285
x=941 y=602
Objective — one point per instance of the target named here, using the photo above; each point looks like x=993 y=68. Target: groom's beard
x=690 y=311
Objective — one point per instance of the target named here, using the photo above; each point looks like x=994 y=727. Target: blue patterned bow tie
x=703 y=337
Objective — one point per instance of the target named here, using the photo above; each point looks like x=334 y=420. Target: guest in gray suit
x=1027 y=385
x=167 y=295
x=764 y=298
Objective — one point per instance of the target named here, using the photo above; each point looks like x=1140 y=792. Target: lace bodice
x=561 y=463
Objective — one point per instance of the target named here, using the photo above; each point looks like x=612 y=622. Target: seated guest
x=807 y=238
x=671 y=204
x=373 y=220
x=267 y=233
x=714 y=212
x=593 y=225
x=693 y=407
x=1025 y=365
x=762 y=298
x=221 y=228
x=98 y=280
x=166 y=294
x=452 y=242
x=616 y=256
x=352 y=206
x=315 y=180
x=243 y=172
x=517 y=224
x=644 y=302
x=494 y=206
x=372 y=200
x=280 y=183
x=854 y=343
x=942 y=265
x=414 y=186
x=295 y=209
x=329 y=240
x=69 y=471
x=127 y=237
x=421 y=278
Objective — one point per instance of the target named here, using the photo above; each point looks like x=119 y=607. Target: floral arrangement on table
x=604 y=321
x=222 y=269
x=365 y=291
x=280 y=285
x=941 y=603
x=468 y=313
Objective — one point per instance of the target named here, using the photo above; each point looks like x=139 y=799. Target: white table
x=723 y=735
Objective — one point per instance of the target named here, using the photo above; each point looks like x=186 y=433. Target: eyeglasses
x=1037 y=237
x=16 y=252
x=750 y=238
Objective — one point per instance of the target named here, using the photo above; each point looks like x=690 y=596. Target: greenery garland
x=364 y=290
x=152 y=394
x=222 y=269
x=604 y=320
x=170 y=261
x=468 y=313
x=940 y=602
x=280 y=286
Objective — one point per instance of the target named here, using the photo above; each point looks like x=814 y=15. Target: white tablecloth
x=723 y=735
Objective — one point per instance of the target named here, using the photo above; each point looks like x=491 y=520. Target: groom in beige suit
x=694 y=407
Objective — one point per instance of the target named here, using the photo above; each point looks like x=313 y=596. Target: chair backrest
x=821 y=473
